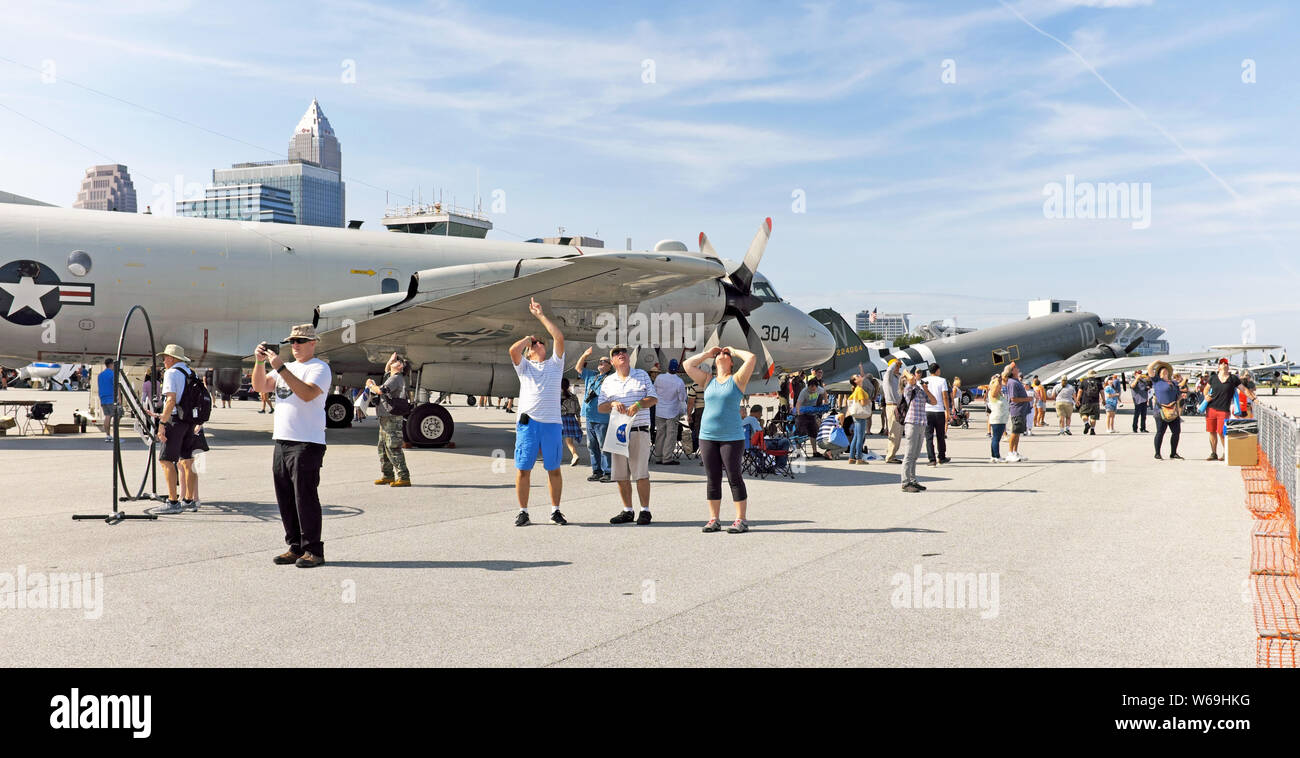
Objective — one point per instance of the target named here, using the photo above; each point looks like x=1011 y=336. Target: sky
x=936 y=158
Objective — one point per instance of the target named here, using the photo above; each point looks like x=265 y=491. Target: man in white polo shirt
x=538 y=427
x=629 y=391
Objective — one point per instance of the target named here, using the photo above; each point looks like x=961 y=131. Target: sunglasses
x=618 y=352
x=299 y=341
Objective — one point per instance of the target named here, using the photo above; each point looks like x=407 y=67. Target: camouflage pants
x=391 y=458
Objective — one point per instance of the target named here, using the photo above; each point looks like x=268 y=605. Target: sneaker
x=264 y=411
x=712 y=526
x=623 y=517
x=108 y=439
x=594 y=478
x=384 y=480
x=1011 y=458
x=172 y=506
x=271 y=411
x=945 y=461
x=522 y=518
x=933 y=464
x=1159 y=457
x=191 y=505
x=894 y=460
x=576 y=461
x=920 y=486
x=739 y=526
x=995 y=460
x=309 y=560
x=1213 y=457
x=401 y=483
x=644 y=517
x=1175 y=457
x=911 y=487
x=284 y=559
x=1068 y=433
x=605 y=478
x=558 y=518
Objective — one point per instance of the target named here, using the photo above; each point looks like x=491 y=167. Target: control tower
x=437 y=218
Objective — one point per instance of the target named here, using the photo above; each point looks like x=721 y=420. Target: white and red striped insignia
x=76 y=294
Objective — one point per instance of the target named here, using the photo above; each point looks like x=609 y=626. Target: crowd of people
x=633 y=417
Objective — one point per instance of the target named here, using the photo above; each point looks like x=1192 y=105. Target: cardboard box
x=1243 y=449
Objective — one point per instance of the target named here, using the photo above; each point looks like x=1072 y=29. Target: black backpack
x=398 y=406
x=195 y=402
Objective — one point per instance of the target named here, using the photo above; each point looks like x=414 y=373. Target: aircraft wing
x=1054 y=372
x=484 y=305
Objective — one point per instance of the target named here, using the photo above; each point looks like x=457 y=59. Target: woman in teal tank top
x=722 y=437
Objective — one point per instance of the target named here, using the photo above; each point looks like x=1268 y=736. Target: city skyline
x=875 y=136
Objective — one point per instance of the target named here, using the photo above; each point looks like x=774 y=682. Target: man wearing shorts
x=630 y=392
x=1223 y=386
x=106 y=405
x=539 y=427
x=1090 y=402
x=175 y=433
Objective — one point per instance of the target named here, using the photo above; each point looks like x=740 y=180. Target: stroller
x=1192 y=403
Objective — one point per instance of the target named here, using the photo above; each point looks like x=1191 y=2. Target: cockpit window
x=764 y=292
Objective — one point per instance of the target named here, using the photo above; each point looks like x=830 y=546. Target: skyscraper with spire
x=314 y=140
x=311 y=175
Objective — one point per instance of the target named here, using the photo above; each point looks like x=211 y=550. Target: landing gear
x=430 y=425
x=338 y=412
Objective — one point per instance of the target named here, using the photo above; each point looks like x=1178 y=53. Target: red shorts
x=1214 y=420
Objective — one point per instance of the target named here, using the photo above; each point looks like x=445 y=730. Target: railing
x=1271 y=498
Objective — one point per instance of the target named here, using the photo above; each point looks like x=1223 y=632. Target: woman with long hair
x=722 y=436
x=859 y=408
x=999 y=417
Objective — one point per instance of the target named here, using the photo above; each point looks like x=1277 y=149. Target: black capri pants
x=720 y=455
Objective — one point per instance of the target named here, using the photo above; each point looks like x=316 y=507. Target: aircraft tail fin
x=850 y=350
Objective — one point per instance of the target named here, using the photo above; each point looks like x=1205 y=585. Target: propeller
x=738 y=289
x=1133 y=345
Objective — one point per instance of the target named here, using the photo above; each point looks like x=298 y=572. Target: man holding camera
x=300 y=387
x=538 y=428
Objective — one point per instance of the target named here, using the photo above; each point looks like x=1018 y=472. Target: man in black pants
x=1141 y=392
x=300 y=388
x=937 y=415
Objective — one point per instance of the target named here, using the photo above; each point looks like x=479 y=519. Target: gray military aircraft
x=452 y=304
x=1054 y=346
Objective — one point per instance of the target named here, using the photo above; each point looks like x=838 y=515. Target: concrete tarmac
x=1089 y=554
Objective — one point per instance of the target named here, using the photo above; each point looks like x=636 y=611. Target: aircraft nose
x=815 y=344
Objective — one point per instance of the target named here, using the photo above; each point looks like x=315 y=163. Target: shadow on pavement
x=485 y=565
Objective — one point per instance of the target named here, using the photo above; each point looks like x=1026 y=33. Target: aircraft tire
x=429 y=425
x=338 y=412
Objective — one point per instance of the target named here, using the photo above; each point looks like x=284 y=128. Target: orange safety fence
x=1275 y=576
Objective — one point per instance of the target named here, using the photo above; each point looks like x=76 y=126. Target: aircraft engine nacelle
x=332 y=315
x=1098 y=353
x=471 y=378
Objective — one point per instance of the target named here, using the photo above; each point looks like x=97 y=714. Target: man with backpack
x=186 y=405
x=392 y=411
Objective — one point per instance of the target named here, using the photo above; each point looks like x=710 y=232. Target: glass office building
x=242 y=202
x=317 y=194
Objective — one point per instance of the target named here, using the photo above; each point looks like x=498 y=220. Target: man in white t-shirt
x=175 y=433
x=300 y=389
x=672 y=404
x=936 y=416
x=630 y=392
x=538 y=427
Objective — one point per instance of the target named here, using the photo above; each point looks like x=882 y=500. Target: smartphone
x=523 y=419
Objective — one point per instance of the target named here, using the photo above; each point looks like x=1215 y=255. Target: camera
x=270 y=347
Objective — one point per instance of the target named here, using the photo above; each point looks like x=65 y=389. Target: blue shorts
x=534 y=436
